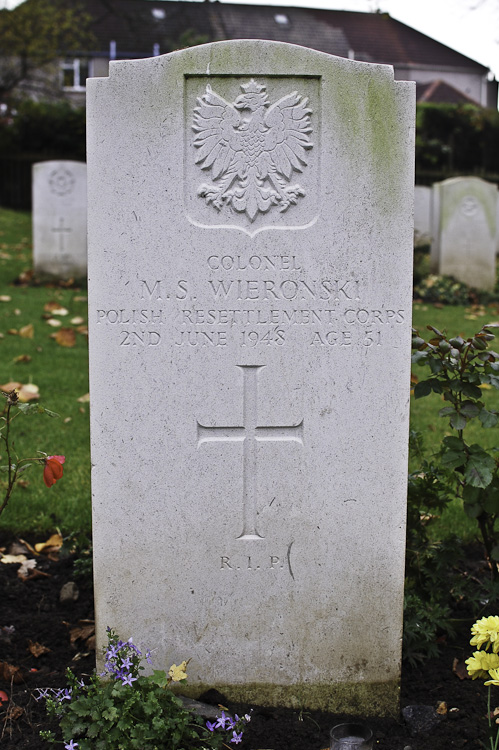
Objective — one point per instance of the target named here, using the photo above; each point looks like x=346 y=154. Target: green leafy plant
x=15 y=466
x=432 y=580
x=459 y=369
x=443 y=289
x=422 y=622
x=122 y=709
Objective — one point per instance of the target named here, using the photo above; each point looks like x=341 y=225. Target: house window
x=74 y=72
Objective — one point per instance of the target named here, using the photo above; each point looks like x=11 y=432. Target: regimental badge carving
x=469 y=206
x=252 y=149
x=61 y=181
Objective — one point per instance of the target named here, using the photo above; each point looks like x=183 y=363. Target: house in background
x=130 y=29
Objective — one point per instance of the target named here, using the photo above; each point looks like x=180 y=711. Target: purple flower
x=211 y=726
x=127 y=679
x=112 y=652
x=71 y=745
x=236 y=738
x=148 y=657
x=222 y=720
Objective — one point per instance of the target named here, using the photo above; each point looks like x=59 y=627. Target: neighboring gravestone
x=250 y=258
x=60 y=219
x=464 y=231
x=422 y=214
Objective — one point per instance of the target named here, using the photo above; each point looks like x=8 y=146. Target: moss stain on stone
x=351 y=698
x=382 y=112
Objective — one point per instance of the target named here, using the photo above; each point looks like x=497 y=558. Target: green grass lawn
x=61 y=373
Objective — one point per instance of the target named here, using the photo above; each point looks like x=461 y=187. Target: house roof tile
x=136 y=25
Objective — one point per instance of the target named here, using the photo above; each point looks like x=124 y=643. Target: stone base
x=354 y=699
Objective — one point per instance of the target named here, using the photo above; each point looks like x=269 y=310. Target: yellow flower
x=486 y=632
x=494 y=673
x=179 y=673
x=480 y=664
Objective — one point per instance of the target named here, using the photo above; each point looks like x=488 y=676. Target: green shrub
x=457 y=138
x=44 y=129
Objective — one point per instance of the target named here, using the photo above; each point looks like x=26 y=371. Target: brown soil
x=33 y=608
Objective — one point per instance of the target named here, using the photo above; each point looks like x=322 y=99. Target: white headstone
x=60 y=219
x=422 y=214
x=250 y=259
x=464 y=230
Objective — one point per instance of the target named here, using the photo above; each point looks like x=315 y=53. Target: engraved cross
x=61 y=229
x=250 y=433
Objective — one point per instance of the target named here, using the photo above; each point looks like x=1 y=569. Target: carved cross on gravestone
x=250 y=433
x=61 y=230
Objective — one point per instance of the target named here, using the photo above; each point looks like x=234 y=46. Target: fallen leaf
x=5 y=298
x=25 y=276
x=82 y=400
x=37 y=649
x=10 y=386
x=77 y=320
x=442 y=708
x=7 y=559
x=25 y=392
x=83 y=330
x=90 y=643
x=80 y=655
x=9 y=672
x=60 y=311
x=55 y=541
x=66 y=420
x=54 y=323
x=84 y=630
x=80 y=299
x=66 y=337
x=27 y=332
x=22 y=358
x=24 y=571
x=17 y=311
x=3 y=696
x=28 y=546
x=14 y=712
x=13 y=331
x=459 y=669
x=17 y=548
x=28 y=392
x=51 y=306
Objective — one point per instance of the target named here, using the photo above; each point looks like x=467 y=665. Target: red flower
x=53 y=469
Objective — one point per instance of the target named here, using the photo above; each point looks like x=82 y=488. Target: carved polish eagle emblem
x=252 y=148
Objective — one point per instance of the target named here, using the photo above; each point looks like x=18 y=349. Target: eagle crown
x=253 y=102
x=254 y=97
